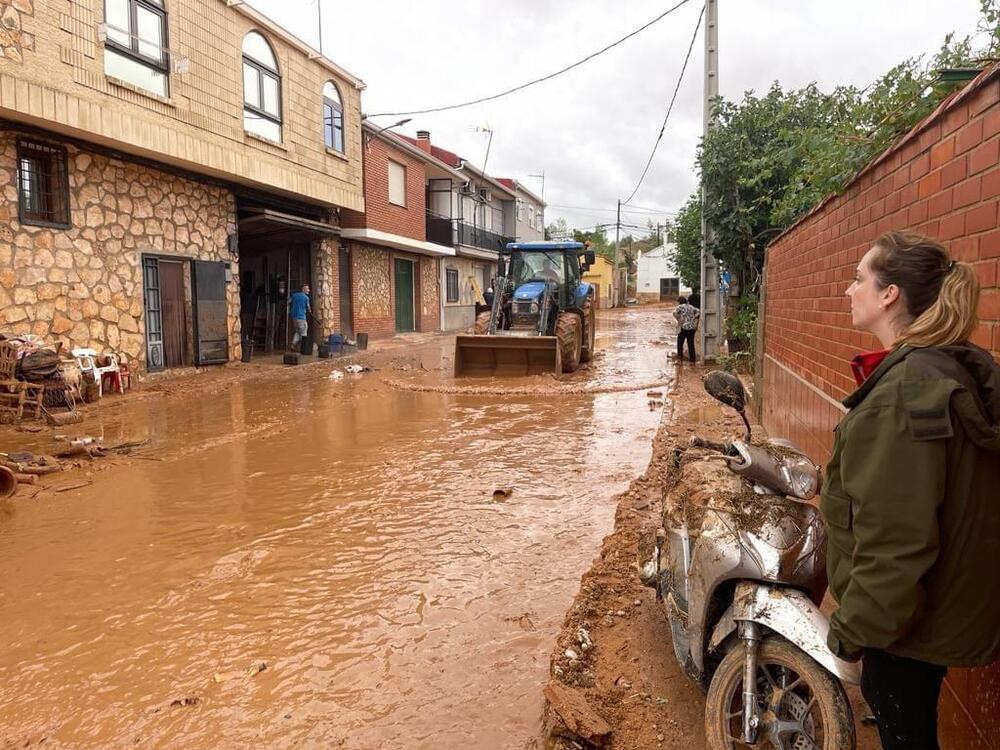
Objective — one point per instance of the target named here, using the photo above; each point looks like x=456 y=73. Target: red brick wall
x=380 y=214
x=943 y=180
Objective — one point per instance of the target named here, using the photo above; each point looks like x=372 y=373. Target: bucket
x=306 y=346
x=8 y=482
x=323 y=351
x=362 y=341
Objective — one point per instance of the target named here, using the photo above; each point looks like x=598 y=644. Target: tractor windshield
x=537 y=267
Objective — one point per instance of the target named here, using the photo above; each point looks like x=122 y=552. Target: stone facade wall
x=371 y=291
x=14 y=40
x=83 y=285
x=943 y=180
x=429 y=295
x=326 y=287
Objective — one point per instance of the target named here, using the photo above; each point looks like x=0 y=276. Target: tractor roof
x=546 y=246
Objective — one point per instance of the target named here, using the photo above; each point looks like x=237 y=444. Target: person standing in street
x=910 y=493
x=687 y=317
x=300 y=310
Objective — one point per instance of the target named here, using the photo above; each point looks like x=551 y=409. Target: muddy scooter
x=741 y=576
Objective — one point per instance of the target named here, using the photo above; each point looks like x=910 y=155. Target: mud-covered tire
x=590 y=326
x=570 y=335
x=482 y=323
x=831 y=705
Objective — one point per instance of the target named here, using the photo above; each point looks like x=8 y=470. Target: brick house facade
x=395 y=272
x=123 y=168
x=942 y=179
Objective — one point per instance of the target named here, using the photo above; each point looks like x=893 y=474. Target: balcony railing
x=453 y=232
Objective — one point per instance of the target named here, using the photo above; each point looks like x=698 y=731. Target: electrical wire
x=548 y=77
x=640 y=211
x=670 y=109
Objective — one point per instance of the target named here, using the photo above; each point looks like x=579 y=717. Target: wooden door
x=404 y=296
x=173 y=314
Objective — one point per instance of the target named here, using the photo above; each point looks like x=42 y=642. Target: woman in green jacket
x=912 y=491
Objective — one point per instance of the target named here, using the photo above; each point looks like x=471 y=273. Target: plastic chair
x=87 y=360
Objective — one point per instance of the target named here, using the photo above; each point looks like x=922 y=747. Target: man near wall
x=300 y=310
x=687 y=317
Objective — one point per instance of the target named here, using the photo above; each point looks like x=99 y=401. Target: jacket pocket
x=837 y=510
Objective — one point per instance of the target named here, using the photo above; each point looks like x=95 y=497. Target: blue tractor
x=542 y=314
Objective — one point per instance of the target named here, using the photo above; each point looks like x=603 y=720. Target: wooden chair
x=17 y=396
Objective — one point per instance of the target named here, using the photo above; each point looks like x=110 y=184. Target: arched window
x=333 y=118
x=135 y=47
x=261 y=88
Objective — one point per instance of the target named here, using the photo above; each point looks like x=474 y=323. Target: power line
x=670 y=108
x=641 y=210
x=548 y=77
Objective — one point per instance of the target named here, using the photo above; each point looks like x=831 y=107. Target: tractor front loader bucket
x=489 y=356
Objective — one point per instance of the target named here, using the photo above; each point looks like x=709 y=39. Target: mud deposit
x=626 y=684
x=299 y=561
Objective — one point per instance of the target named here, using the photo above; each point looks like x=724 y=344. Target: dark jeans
x=903 y=695
x=683 y=336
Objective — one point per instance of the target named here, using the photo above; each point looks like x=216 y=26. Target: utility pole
x=711 y=301
x=618 y=257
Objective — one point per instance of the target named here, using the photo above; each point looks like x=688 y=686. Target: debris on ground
x=336 y=375
x=502 y=493
x=569 y=716
x=357 y=369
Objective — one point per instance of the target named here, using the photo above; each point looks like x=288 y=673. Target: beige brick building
x=169 y=171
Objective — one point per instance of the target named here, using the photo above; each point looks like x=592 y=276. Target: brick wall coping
x=396 y=241
x=946 y=105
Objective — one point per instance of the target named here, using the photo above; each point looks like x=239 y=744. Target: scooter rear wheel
x=801 y=705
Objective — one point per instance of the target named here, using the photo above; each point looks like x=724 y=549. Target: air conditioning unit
x=486 y=194
x=467 y=188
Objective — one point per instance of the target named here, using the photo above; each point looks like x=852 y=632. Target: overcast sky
x=591 y=130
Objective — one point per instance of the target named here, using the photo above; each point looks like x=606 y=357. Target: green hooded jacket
x=912 y=505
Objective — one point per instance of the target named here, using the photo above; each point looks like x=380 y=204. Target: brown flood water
x=343 y=533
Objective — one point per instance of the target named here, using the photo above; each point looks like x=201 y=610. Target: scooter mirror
x=727 y=388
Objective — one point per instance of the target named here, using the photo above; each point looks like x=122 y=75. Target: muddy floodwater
x=307 y=562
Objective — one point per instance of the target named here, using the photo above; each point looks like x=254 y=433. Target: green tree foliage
x=687 y=243
x=772 y=157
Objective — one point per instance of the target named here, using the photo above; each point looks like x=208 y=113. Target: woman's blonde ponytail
x=951 y=318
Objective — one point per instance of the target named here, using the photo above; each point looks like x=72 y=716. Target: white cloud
x=591 y=129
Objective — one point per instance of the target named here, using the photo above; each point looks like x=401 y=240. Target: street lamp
x=394 y=125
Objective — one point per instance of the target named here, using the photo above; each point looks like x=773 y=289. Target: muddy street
x=308 y=562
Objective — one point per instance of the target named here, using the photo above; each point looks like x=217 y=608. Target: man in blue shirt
x=300 y=308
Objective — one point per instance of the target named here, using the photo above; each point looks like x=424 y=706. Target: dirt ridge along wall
x=941 y=179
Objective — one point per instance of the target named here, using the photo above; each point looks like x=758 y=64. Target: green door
x=404 y=296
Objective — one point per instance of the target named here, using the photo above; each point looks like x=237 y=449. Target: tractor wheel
x=570 y=334
x=589 y=329
x=482 y=323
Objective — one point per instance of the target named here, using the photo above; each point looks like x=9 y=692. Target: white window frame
x=397 y=197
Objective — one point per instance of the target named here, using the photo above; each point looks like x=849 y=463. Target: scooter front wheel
x=801 y=706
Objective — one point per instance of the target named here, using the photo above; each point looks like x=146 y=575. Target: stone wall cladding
x=83 y=285
x=371 y=291
x=943 y=180
x=14 y=40
x=326 y=287
x=406 y=221
x=430 y=294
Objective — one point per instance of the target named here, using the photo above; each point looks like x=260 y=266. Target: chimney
x=424 y=140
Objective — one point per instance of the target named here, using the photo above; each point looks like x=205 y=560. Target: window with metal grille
x=42 y=184
x=136 y=45
x=451 y=276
